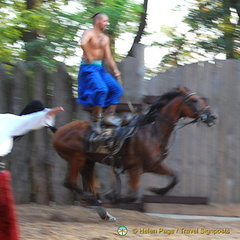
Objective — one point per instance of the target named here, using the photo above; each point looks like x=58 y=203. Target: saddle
x=112 y=138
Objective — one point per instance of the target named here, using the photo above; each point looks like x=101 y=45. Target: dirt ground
x=77 y=223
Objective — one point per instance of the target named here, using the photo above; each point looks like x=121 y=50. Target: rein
x=166 y=119
x=197 y=112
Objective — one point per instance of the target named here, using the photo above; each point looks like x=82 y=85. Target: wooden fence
x=37 y=173
x=207 y=159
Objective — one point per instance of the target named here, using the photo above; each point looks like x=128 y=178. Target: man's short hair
x=97 y=15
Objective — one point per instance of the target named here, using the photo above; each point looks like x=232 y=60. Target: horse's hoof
x=110 y=218
x=104 y=214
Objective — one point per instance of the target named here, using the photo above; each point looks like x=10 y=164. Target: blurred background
x=157 y=45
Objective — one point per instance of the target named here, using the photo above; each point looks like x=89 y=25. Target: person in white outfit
x=12 y=125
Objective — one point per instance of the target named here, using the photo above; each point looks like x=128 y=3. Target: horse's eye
x=194 y=100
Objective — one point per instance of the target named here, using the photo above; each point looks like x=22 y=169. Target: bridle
x=201 y=116
x=189 y=95
x=200 y=113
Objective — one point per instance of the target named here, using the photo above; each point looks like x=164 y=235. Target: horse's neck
x=172 y=111
x=169 y=116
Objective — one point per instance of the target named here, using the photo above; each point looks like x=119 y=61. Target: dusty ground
x=78 y=223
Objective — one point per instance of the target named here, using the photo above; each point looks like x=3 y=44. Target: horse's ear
x=182 y=89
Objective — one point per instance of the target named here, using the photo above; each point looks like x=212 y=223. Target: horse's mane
x=158 y=104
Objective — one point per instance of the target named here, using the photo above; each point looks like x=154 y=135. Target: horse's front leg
x=89 y=197
x=164 y=170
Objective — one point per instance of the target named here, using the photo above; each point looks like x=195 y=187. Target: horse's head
x=195 y=106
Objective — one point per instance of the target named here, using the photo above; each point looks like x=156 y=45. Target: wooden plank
x=232 y=124
x=236 y=197
x=222 y=142
x=130 y=206
x=158 y=199
x=21 y=177
x=62 y=96
x=123 y=107
x=39 y=160
x=175 y=199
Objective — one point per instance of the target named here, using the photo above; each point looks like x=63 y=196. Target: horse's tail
x=53 y=129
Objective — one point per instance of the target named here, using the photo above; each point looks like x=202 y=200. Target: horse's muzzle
x=209 y=119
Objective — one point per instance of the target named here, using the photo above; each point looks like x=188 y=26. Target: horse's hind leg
x=164 y=170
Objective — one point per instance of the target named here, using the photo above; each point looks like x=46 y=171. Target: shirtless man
x=98 y=89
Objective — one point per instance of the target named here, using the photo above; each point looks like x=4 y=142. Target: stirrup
x=96 y=127
x=127 y=119
x=112 y=120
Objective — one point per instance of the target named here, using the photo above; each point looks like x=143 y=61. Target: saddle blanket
x=110 y=140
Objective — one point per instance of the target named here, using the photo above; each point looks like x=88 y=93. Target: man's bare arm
x=109 y=59
x=86 y=37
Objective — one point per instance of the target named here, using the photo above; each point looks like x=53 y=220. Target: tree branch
x=141 y=27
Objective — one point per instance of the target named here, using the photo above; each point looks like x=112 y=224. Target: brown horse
x=144 y=152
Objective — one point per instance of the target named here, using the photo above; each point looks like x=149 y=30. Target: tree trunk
x=236 y=4
x=4 y=90
x=141 y=28
x=29 y=36
x=228 y=35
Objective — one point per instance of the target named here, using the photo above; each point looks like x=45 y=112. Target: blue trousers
x=96 y=87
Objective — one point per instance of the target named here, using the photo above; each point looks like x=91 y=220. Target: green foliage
x=220 y=18
x=48 y=32
x=214 y=29
x=179 y=51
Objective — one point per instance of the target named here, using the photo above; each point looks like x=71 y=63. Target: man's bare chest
x=98 y=42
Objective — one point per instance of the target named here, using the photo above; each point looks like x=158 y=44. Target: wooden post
x=62 y=96
x=132 y=72
x=21 y=151
x=39 y=153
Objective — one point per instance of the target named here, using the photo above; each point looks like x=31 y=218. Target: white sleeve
x=33 y=121
x=12 y=125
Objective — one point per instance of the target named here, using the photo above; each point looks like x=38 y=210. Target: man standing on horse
x=98 y=89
